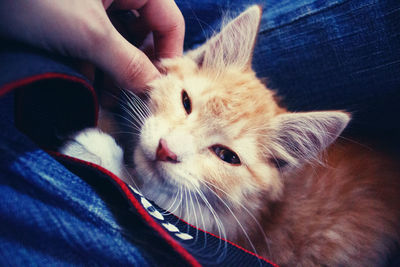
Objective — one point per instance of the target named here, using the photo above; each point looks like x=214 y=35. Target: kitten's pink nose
x=163 y=153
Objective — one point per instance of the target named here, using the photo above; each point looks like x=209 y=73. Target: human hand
x=83 y=30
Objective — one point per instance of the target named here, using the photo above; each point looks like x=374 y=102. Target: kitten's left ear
x=234 y=45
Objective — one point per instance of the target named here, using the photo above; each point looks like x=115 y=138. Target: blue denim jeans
x=340 y=54
x=49 y=216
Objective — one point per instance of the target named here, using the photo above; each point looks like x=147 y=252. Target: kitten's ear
x=233 y=45
x=299 y=137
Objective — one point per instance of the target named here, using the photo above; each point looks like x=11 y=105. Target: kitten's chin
x=180 y=197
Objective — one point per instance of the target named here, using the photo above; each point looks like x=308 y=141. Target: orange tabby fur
x=345 y=212
x=323 y=207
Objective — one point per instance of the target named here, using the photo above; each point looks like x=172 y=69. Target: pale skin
x=83 y=30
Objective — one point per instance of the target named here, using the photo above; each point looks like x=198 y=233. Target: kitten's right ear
x=295 y=138
x=233 y=46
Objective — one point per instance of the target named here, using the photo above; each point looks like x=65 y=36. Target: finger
x=127 y=65
x=166 y=21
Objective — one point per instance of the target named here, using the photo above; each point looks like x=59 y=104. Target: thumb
x=130 y=68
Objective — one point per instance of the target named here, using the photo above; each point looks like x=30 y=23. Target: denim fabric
x=15 y=59
x=341 y=54
x=48 y=215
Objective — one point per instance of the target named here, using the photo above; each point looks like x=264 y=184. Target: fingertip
x=169 y=44
x=168 y=25
x=137 y=73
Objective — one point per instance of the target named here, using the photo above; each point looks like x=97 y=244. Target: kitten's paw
x=97 y=147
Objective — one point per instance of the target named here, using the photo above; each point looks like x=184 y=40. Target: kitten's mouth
x=160 y=167
x=166 y=162
x=167 y=173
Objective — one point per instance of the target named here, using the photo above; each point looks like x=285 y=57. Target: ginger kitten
x=213 y=137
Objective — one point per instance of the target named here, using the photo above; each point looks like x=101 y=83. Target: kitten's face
x=213 y=124
x=215 y=131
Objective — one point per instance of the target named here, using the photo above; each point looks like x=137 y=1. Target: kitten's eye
x=186 y=102
x=226 y=154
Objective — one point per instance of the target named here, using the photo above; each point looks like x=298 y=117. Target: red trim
x=145 y=215
x=51 y=75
